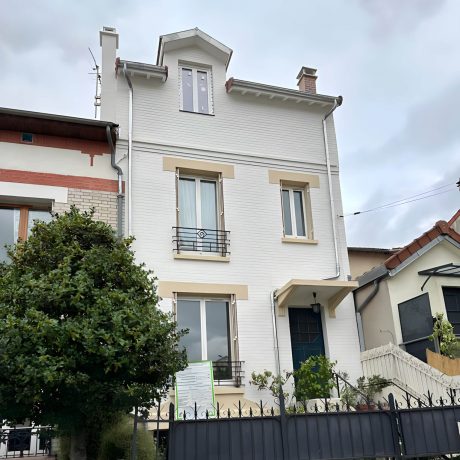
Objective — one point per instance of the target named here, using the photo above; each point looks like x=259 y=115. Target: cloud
x=398 y=16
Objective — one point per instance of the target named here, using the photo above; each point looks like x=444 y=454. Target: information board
x=195 y=384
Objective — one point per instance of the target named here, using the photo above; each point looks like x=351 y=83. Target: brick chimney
x=307 y=80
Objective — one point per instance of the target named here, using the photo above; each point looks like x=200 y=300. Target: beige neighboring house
x=396 y=300
x=364 y=259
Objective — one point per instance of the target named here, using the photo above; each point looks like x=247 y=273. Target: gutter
x=337 y=103
x=130 y=148
x=108 y=130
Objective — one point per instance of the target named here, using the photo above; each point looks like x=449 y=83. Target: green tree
x=81 y=337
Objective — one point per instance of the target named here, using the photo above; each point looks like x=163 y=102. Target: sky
x=395 y=62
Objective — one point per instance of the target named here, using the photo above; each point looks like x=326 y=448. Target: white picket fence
x=408 y=372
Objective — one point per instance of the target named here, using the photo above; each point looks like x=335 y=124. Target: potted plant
x=366 y=391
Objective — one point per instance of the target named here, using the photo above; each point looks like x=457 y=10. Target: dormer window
x=195 y=90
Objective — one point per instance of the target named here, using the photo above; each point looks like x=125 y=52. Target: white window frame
x=195 y=70
x=204 y=332
x=291 y=191
x=198 y=179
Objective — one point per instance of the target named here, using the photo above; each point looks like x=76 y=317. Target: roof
x=55 y=125
x=440 y=231
x=378 y=250
x=284 y=94
x=143 y=69
x=455 y=217
x=441 y=228
x=190 y=37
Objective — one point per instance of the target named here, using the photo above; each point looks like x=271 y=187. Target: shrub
x=443 y=332
x=314 y=378
x=116 y=442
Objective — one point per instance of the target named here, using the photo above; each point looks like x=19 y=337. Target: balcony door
x=198 y=214
x=306 y=334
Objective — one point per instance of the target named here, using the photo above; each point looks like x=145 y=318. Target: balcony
x=228 y=373
x=201 y=240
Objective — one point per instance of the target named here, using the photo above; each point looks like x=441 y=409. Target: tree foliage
x=81 y=336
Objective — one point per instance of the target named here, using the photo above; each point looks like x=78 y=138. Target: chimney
x=307 y=80
x=108 y=38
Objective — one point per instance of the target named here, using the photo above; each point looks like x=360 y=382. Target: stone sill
x=202 y=257
x=286 y=239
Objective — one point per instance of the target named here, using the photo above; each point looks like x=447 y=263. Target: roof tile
x=440 y=228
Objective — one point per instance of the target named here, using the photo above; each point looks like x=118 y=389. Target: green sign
x=195 y=386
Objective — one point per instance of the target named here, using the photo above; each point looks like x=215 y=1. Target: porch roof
x=298 y=292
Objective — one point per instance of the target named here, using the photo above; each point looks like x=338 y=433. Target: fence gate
x=414 y=428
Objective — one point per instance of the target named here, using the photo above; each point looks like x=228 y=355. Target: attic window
x=27 y=137
x=195 y=90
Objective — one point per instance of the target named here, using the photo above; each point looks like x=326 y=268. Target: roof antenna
x=97 y=97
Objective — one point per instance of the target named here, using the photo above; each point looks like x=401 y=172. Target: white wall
x=407 y=283
x=253 y=135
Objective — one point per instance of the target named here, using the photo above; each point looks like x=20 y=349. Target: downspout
x=130 y=148
x=337 y=103
x=275 y=332
x=359 y=308
x=108 y=130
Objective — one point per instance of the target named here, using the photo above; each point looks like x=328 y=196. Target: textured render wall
x=407 y=283
x=105 y=204
x=377 y=317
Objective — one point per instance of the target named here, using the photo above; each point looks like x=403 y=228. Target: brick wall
x=105 y=204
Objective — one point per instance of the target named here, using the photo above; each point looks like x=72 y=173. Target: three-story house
x=233 y=196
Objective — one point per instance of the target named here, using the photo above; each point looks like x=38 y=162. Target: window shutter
x=234 y=328
x=221 y=202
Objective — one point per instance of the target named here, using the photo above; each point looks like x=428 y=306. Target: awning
x=452 y=270
x=299 y=293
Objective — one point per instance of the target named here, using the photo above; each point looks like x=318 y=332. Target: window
x=209 y=338
x=293 y=207
x=195 y=88
x=200 y=215
x=16 y=223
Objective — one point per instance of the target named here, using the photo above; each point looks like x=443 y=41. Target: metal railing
x=228 y=373
x=25 y=442
x=201 y=240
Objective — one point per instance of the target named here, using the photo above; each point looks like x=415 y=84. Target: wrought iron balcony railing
x=201 y=240
x=228 y=373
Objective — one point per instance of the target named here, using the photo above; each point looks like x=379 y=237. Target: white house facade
x=233 y=195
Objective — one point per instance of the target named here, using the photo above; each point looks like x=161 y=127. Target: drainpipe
x=130 y=148
x=359 y=308
x=337 y=103
x=275 y=332
x=108 y=130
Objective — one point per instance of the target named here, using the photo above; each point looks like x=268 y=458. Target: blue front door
x=306 y=334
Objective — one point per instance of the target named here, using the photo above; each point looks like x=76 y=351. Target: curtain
x=187 y=203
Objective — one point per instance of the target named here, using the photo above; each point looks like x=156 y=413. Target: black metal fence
x=406 y=429
x=25 y=442
x=201 y=240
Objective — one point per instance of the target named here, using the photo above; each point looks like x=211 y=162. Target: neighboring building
x=229 y=198
x=397 y=299
x=364 y=259
x=49 y=162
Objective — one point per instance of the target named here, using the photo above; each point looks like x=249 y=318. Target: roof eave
x=284 y=94
x=147 y=71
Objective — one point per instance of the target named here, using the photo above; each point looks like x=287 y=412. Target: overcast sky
x=396 y=63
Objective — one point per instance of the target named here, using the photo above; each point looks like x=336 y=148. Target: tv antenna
x=97 y=97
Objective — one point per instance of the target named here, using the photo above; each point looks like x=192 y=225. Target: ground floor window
x=209 y=322
x=16 y=223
